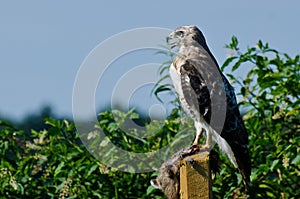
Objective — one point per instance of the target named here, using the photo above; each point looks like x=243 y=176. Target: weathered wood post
x=195 y=177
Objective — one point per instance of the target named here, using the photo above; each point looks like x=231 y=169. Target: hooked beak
x=170 y=40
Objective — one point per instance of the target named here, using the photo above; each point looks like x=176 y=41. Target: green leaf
x=234 y=44
x=227 y=62
x=296 y=160
x=52 y=122
x=274 y=163
x=162 y=88
x=236 y=65
x=150 y=190
x=113 y=127
x=134 y=115
x=160 y=80
x=58 y=169
x=260 y=44
x=93 y=168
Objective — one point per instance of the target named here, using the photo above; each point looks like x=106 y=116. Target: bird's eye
x=180 y=33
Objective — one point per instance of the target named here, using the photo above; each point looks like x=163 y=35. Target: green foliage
x=161 y=85
x=161 y=132
x=53 y=163
x=270 y=96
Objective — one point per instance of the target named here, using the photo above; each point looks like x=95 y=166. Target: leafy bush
x=53 y=163
x=270 y=96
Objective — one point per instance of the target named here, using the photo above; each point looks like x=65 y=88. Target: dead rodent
x=168 y=178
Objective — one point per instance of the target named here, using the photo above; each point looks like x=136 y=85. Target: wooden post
x=195 y=177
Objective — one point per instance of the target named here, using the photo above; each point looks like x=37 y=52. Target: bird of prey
x=208 y=98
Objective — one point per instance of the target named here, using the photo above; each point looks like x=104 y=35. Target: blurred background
x=43 y=44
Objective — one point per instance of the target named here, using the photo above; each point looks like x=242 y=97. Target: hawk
x=208 y=98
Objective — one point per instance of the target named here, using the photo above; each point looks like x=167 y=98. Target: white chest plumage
x=176 y=78
x=182 y=87
x=184 y=90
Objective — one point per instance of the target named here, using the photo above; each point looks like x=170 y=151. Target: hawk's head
x=186 y=36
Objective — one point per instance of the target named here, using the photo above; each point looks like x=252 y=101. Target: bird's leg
x=200 y=127
x=199 y=132
x=208 y=142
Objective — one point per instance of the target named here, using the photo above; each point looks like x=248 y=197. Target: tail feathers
x=243 y=160
x=224 y=146
x=243 y=163
x=246 y=179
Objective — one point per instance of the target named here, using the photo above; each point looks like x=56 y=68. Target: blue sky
x=43 y=43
